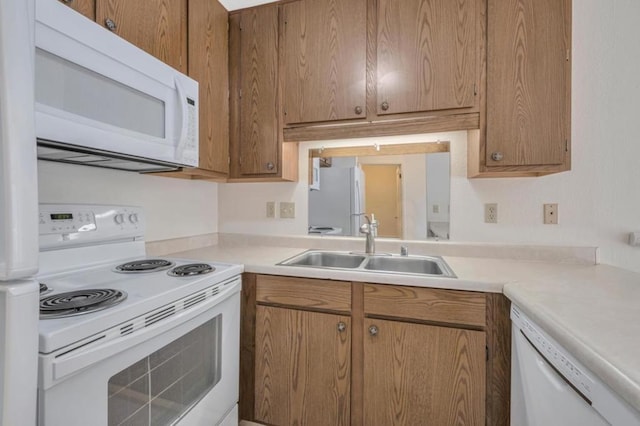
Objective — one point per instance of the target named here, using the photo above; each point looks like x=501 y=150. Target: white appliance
x=315 y=174
x=125 y=339
x=18 y=215
x=101 y=101
x=549 y=387
x=339 y=202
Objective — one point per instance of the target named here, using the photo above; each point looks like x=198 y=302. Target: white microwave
x=101 y=101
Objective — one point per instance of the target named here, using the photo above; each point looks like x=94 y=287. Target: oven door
x=183 y=369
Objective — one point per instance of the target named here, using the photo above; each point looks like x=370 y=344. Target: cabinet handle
x=384 y=106
x=110 y=24
x=67 y=1
x=342 y=326
x=373 y=330
x=270 y=165
x=358 y=110
x=496 y=156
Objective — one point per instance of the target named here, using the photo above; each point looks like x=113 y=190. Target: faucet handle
x=404 y=251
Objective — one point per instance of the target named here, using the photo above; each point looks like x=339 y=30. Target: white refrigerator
x=339 y=201
x=18 y=216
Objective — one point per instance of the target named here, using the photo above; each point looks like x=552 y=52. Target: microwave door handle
x=184 y=118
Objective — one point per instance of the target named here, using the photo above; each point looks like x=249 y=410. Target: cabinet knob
x=110 y=24
x=270 y=166
x=496 y=156
x=384 y=106
x=342 y=326
x=373 y=330
x=358 y=110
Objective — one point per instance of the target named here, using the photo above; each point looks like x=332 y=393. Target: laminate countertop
x=591 y=310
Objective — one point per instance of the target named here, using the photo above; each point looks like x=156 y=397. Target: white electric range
x=125 y=339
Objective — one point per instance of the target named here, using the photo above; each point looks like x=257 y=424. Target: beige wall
x=174 y=207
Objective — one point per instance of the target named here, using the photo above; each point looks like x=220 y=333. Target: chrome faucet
x=370 y=229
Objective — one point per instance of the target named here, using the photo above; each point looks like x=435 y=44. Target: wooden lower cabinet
x=321 y=352
x=421 y=374
x=303 y=367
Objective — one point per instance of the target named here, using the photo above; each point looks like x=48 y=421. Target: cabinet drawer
x=304 y=292
x=427 y=304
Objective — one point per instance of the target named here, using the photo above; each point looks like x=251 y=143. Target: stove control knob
x=133 y=218
x=119 y=219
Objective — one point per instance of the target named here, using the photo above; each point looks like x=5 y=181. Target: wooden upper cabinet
x=421 y=374
x=528 y=82
x=85 y=7
x=158 y=27
x=324 y=70
x=209 y=66
x=258 y=114
x=427 y=54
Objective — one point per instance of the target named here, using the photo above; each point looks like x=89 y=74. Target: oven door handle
x=72 y=362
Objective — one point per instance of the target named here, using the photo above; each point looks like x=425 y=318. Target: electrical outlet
x=287 y=210
x=491 y=213
x=271 y=209
x=550 y=214
x=436 y=208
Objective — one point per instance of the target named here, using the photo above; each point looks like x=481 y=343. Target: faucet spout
x=370 y=229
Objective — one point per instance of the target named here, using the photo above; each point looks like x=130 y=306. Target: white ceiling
x=241 y=4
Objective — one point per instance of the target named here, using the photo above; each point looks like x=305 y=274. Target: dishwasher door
x=542 y=397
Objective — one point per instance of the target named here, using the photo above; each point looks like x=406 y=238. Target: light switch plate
x=287 y=210
x=271 y=209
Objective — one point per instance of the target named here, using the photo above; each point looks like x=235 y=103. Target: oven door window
x=161 y=388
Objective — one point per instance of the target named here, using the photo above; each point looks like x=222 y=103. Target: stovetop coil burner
x=191 y=269
x=144 y=265
x=79 y=302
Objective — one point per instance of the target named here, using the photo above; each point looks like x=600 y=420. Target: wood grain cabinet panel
x=158 y=27
x=419 y=374
x=256 y=150
x=384 y=362
x=426 y=304
x=258 y=91
x=525 y=120
x=324 y=70
x=304 y=292
x=303 y=367
x=528 y=77
x=426 y=55
x=85 y=7
x=209 y=66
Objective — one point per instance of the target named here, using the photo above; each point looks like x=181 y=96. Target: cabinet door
x=209 y=65
x=420 y=374
x=528 y=81
x=158 y=27
x=324 y=60
x=258 y=84
x=85 y=7
x=303 y=367
x=426 y=55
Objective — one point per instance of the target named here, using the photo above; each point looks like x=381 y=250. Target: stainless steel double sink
x=386 y=263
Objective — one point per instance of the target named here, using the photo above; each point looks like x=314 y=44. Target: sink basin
x=415 y=265
x=326 y=259
x=406 y=264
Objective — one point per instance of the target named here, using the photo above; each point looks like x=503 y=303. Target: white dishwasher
x=549 y=387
